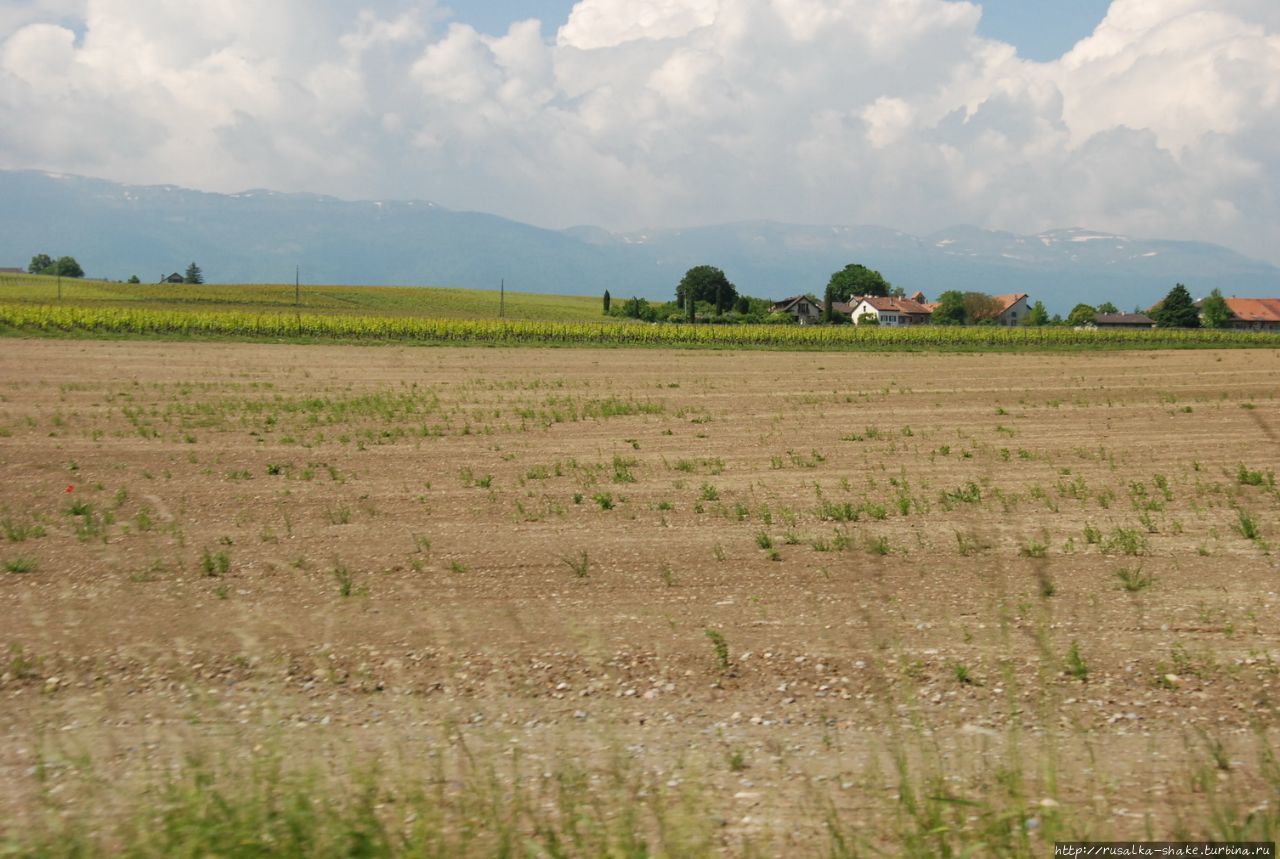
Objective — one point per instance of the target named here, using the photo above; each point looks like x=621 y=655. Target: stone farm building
x=1254 y=314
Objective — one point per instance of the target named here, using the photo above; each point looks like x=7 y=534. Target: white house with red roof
x=890 y=311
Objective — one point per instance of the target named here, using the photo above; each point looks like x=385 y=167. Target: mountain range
x=117 y=230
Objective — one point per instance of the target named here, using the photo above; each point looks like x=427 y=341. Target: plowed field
x=740 y=582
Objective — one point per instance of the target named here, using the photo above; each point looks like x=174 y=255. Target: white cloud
x=609 y=23
x=665 y=112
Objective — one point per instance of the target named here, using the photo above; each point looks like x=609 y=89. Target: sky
x=1040 y=29
x=1151 y=118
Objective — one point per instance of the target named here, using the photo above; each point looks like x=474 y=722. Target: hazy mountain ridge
x=259 y=235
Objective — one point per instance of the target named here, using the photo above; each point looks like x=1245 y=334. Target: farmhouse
x=12 y=271
x=1254 y=314
x=1123 y=320
x=1012 y=309
x=801 y=307
x=891 y=311
x=172 y=278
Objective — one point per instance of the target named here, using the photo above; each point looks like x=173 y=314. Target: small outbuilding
x=173 y=278
x=1123 y=320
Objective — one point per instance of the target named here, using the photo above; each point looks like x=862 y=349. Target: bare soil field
x=785 y=604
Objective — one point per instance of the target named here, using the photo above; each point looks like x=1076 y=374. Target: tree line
x=706 y=294
x=67 y=266
x=61 y=267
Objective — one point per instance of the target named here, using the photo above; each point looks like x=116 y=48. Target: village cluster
x=1249 y=314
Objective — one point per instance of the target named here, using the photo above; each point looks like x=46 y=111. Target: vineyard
x=128 y=321
x=420 y=301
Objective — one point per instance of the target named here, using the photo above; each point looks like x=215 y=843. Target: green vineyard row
x=143 y=322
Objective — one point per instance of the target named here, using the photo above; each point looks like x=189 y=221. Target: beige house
x=1012 y=309
x=801 y=307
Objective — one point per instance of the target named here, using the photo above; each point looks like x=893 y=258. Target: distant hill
x=258 y=236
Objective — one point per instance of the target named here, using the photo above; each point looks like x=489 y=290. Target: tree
x=62 y=266
x=638 y=308
x=1214 y=312
x=855 y=279
x=868 y=319
x=194 y=275
x=828 y=302
x=607 y=300
x=950 y=309
x=1037 y=316
x=706 y=283
x=67 y=267
x=742 y=305
x=980 y=307
x=1177 y=310
x=1108 y=307
x=1081 y=315
x=133 y=278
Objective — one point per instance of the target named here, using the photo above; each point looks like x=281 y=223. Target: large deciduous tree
x=1081 y=315
x=67 y=267
x=950 y=309
x=855 y=279
x=708 y=284
x=980 y=307
x=1214 y=312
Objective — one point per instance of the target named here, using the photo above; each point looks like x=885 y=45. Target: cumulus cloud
x=669 y=112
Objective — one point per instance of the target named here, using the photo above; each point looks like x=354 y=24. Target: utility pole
x=502 y=299
x=59 y=286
